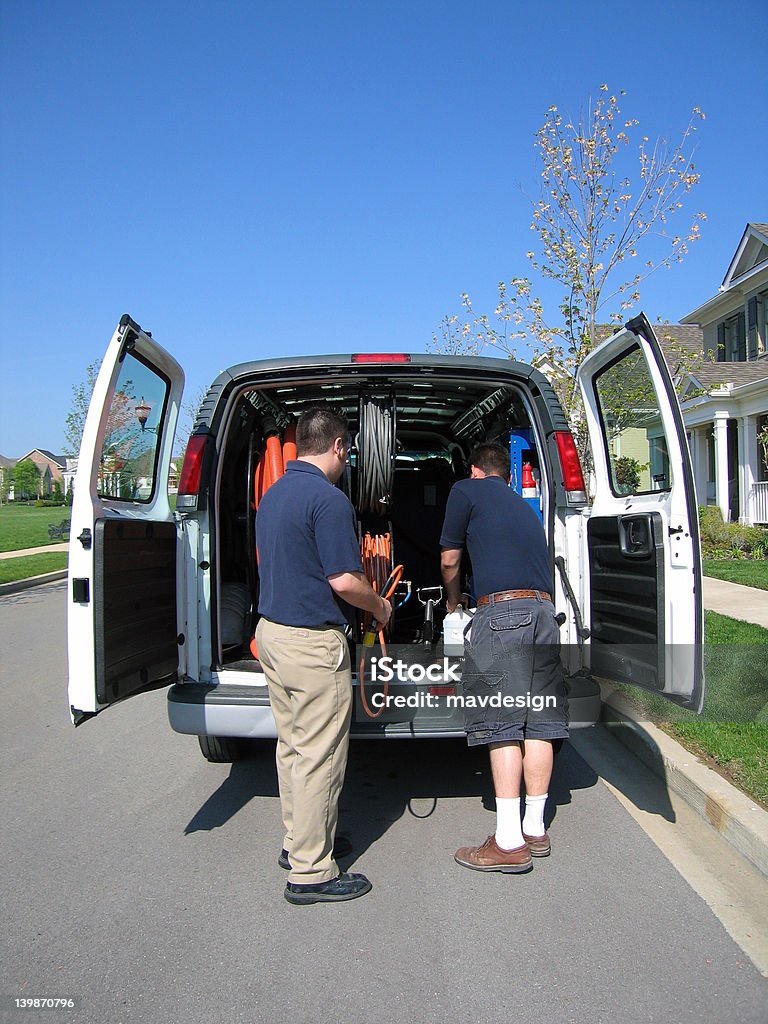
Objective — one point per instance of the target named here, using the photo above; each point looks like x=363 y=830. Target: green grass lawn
x=735 y=570
x=12 y=569
x=25 y=526
x=732 y=731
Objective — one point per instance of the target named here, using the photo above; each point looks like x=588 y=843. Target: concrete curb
x=738 y=819
x=32 y=581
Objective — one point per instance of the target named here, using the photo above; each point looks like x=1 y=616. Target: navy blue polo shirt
x=503 y=535
x=305 y=532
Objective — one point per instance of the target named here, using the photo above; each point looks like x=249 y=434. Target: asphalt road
x=142 y=881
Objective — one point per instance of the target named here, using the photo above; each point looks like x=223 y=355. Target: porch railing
x=758 y=500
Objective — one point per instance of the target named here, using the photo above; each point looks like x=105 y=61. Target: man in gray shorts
x=514 y=688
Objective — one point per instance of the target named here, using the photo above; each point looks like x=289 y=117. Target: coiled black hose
x=376 y=454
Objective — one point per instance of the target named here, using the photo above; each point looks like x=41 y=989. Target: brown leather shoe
x=491 y=857
x=539 y=846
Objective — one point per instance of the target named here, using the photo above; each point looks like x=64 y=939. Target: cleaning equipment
x=530 y=491
x=289 y=443
x=269 y=468
x=376 y=453
x=429 y=597
x=369 y=638
x=523 y=456
x=454 y=625
x=529 y=484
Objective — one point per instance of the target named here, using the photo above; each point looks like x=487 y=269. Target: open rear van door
x=122 y=632
x=645 y=609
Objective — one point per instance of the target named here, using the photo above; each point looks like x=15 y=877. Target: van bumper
x=198 y=709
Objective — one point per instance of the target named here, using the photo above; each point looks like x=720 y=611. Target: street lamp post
x=142 y=410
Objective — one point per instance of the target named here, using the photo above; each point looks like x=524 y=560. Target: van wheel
x=222 y=749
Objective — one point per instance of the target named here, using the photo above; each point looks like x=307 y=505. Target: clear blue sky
x=249 y=179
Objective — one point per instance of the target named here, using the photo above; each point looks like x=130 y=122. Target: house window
x=762 y=312
x=732 y=339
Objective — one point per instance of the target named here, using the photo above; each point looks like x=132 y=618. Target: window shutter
x=741 y=338
x=752 y=328
x=721 y=343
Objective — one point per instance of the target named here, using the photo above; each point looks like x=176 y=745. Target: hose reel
x=376 y=453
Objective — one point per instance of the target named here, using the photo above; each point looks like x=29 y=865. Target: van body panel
x=124 y=460
x=644 y=596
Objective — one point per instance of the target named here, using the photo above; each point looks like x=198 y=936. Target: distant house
x=6 y=480
x=727 y=403
x=146 y=482
x=51 y=469
x=69 y=474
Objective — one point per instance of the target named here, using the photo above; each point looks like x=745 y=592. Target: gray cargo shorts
x=513 y=681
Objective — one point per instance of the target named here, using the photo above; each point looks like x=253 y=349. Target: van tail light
x=573 y=478
x=381 y=357
x=191 y=472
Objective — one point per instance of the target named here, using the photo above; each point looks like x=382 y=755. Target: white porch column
x=701 y=464
x=748 y=466
x=721 y=462
x=694 y=444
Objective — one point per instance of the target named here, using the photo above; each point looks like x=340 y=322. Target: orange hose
x=269 y=468
x=258 y=481
x=289 y=443
x=274 y=456
x=376 y=552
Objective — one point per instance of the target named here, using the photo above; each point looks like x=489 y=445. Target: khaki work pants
x=310 y=690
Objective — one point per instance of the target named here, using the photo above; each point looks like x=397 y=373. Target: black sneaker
x=344 y=887
x=341 y=848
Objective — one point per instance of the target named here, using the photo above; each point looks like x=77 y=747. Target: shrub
x=730 y=540
x=627 y=473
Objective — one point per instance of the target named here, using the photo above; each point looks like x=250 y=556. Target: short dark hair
x=493 y=459
x=317 y=429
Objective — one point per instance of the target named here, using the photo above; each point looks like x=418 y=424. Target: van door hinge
x=85 y=538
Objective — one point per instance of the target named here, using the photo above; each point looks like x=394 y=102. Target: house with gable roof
x=725 y=396
x=51 y=468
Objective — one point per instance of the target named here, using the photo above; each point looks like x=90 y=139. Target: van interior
x=411 y=435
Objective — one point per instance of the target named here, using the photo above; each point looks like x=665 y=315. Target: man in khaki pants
x=310 y=575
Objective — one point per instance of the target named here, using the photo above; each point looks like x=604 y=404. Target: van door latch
x=85 y=538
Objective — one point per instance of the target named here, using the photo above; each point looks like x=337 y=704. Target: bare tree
x=596 y=212
x=81 y=399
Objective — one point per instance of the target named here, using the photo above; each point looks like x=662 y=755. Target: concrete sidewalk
x=42 y=550
x=33 y=581
x=746 y=603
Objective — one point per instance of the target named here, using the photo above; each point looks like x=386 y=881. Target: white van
x=168 y=598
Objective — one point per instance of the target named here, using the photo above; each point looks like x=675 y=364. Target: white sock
x=533 y=822
x=509 y=835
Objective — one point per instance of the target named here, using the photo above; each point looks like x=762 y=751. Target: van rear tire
x=222 y=749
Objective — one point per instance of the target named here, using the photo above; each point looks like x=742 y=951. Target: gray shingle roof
x=683 y=348
x=682 y=344
x=713 y=375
